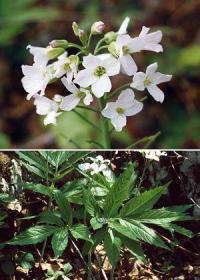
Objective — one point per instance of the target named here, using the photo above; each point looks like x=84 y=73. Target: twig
x=78 y=251
x=100 y=266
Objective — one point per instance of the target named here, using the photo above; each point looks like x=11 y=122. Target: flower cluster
x=87 y=75
x=97 y=165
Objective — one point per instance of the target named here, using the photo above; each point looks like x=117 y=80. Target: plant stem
x=89 y=277
x=119 y=89
x=104 y=127
x=98 y=45
x=112 y=273
x=148 y=139
x=85 y=119
x=88 y=108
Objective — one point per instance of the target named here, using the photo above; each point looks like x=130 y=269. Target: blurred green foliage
x=15 y=15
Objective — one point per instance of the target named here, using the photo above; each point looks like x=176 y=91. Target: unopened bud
x=59 y=44
x=110 y=37
x=97 y=27
x=83 y=36
x=75 y=28
x=55 y=52
x=113 y=50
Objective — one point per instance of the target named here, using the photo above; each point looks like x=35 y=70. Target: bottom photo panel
x=100 y=215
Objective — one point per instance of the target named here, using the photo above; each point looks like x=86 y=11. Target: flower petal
x=151 y=69
x=51 y=118
x=112 y=65
x=85 y=78
x=128 y=65
x=69 y=86
x=69 y=102
x=126 y=96
x=156 y=93
x=159 y=78
x=119 y=122
x=135 y=108
x=110 y=110
x=124 y=26
x=138 y=81
x=91 y=61
x=40 y=55
x=88 y=99
x=31 y=85
x=102 y=85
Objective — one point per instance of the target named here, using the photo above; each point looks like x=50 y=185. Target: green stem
x=85 y=119
x=89 y=277
x=112 y=273
x=96 y=143
x=88 y=108
x=104 y=127
x=71 y=45
x=98 y=45
x=148 y=139
x=101 y=48
x=119 y=89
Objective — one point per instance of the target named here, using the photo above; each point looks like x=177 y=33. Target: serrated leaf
x=80 y=231
x=160 y=216
x=95 y=223
x=33 y=235
x=90 y=204
x=119 y=191
x=134 y=248
x=176 y=228
x=64 y=206
x=59 y=241
x=142 y=202
x=112 y=246
x=144 y=233
x=39 y=188
x=50 y=218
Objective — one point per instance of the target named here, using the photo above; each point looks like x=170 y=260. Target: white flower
x=151 y=41
x=98 y=27
x=125 y=106
x=153 y=154
x=123 y=27
x=71 y=101
x=36 y=78
x=66 y=65
x=40 y=55
x=125 y=46
x=150 y=80
x=96 y=73
x=48 y=107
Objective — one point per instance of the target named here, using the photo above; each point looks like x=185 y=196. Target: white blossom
x=125 y=106
x=153 y=154
x=71 y=101
x=36 y=78
x=124 y=26
x=40 y=55
x=150 y=80
x=66 y=66
x=96 y=73
x=48 y=108
x=151 y=41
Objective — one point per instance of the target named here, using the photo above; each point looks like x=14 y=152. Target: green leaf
x=39 y=188
x=90 y=203
x=134 y=248
x=95 y=223
x=33 y=235
x=119 y=191
x=26 y=261
x=50 y=218
x=59 y=241
x=5 y=197
x=64 y=206
x=112 y=246
x=124 y=230
x=160 y=216
x=175 y=228
x=144 y=233
x=142 y=202
x=80 y=231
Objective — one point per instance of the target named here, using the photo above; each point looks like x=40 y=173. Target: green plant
x=98 y=211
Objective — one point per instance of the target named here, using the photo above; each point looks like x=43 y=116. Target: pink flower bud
x=98 y=27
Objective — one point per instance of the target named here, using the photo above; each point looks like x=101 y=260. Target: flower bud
x=110 y=37
x=59 y=44
x=83 y=36
x=74 y=59
x=97 y=27
x=113 y=50
x=55 y=52
x=75 y=28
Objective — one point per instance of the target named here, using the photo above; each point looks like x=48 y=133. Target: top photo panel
x=97 y=74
